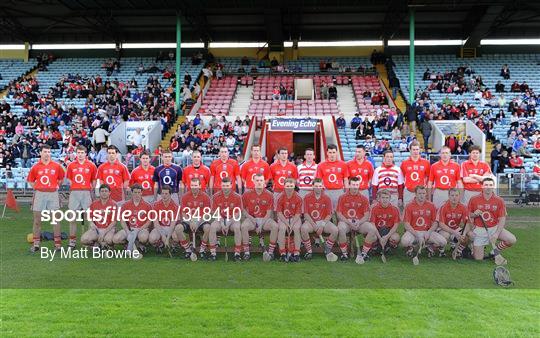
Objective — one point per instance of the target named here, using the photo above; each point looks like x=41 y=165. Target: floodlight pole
x=411 y=55
x=178 y=58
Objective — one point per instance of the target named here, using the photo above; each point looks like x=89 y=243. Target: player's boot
x=34 y=249
x=247 y=256
x=237 y=257
x=410 y=252
x=344 y=257
x=159 y=249
x=295 y=258
x=430 y=251
x=442 y=253
x=142 y=248
x=283 y=258
x=308 y=256
x=212 y=258
x=187 y=254
x=271 y=256
x=202 y=255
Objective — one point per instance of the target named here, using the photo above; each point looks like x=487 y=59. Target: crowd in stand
x=208 y=138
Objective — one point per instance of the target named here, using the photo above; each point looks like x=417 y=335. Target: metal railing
x=513 y=184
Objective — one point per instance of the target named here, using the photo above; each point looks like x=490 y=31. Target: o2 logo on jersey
x=167 y=180
x=332 y=178
x=486 y=216
x=45 y=180
x=381 y=223
x=452 y=223
x=420 y=222
x=387 y=181
x=415 y=177
x=281 y=180
x=351 y=213
x=257 y=209
x=287 y=213
x=224 y=174
x=307 y=180
x=145 y=185
x=79 y=179
x=445 y=180
x=315 y=214
x=109 y=180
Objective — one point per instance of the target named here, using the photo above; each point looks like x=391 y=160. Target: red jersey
x=318 y=209
x=139 y=213
x=250 y=168
x=166 y=213
x=536 y=169
x=333 y=174
x=420 y=217
x=516 y=162
x=444 y=176
x=201 y=172
x=258 y=205
x=113 y=174
x=492 y=210
x=384 y=217
x=227 y=205
x=415 y=172
x=453 y=217
x=81 y=175
x=364 y=171
x=468 y=168
x=353 y=206
x=279 y=173
x=195 y=204
x=144 y=178
x=46 y=177
x=101 y=219
x=289 y=206
x=219 y=170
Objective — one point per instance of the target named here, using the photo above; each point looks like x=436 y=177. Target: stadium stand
x=11 y=70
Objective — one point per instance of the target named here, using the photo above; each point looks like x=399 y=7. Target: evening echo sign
x=293 y=124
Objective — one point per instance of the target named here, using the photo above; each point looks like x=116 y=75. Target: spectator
x=332 y=92
x=340 y=122
x=100 y=137
x=523 y=151
x=536 y=148
x=505 y=72
x=468 y=143
x=276 y=94
x=495 y=157
x=426 y=132
x=396 y=133
x=394 y=85
x=356 y=121
x=536 y=170
x=325 y=92
x=516 y=162
x=499 y=87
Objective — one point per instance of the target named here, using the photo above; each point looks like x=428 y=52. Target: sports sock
x=237 y=249
x=329 y=244
x=503 y=245
x=72 y=240
x=212 y=249
x=37 y=240
x=393 y=244
x=57 y=241
x=272 y=247
x=246 y=248
x=307 y=245
x=366 y=247
x=186 y=245
x=441 y=249
x=282 y=251
x=343 y=247
x=203 y=246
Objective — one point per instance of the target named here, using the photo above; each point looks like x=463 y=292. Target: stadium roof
x=261 y=20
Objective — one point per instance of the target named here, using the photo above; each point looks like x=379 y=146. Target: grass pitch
x=159 y=296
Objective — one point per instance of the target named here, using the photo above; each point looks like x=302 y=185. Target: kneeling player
x=165 y=224
x=258 y=204
x=135 y=229
x=353 y=214
x=452 y=218
x=386 y=219
x=317 y=214
x=289 y=209
x=229 y=204
x=196 y=214
x=488 y=215
x=420 y=224
x=102 y=225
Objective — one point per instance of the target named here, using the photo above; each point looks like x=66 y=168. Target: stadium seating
x=219 y=96
x=13 y=69
x=366 y=83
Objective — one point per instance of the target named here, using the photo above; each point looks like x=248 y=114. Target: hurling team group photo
x=342 y=211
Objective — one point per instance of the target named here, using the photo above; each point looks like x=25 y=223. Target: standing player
x=317 y=218
x=353 y=215
x=102 y=225
x=258 y=204
x=45 y=178
x=167 y=174
x=453 y=217
x=136 y=226
x=360 y=167
x=334 y=173
x=196 y=212
x=196 y=170
x=473 y=172
x=82 y=175
x=229 y=204
x=256 y=165
x=165 y=224
x=224 y=167
x=420 y=224
x=415 y=171
x=114 y=174
x=281 y=170
x=492 y=210
x=289 y=210
x=389 y=176
x=386 y=219
x=443 y=175
x=306 y=173
x=142 y=175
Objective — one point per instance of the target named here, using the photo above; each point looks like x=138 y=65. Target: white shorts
x=79 y=200
x=468 y=194
x=334 y=196
x=259 y=222
x=481 y=236
x=45 y=200
x=439 y=197
x=408 y=196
